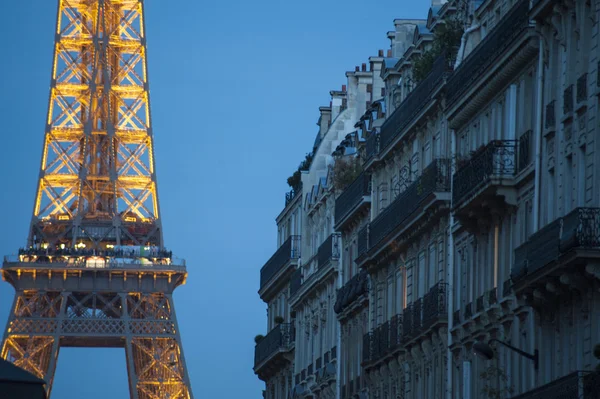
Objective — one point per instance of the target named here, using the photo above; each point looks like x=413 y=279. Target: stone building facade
x=472 y=221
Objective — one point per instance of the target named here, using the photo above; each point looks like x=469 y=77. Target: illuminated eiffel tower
x=95 y=272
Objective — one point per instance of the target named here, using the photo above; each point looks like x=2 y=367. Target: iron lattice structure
x=95 y=272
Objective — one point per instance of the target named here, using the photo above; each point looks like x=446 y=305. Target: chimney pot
x=380 y=54
x=343 y=88
x=356 y=69
x=389 y=53
x=364 y=67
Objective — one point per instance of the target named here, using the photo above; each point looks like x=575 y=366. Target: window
x=431 y=277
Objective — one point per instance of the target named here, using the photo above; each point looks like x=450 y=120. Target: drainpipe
x=538 y=132
x=463 y=42
x=450 y=279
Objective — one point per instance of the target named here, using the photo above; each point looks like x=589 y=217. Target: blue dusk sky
x=235 y=91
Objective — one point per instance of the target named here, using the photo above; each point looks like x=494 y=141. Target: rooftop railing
x=487 y=52
x=414 y=103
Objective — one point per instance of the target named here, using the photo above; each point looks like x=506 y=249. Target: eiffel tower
x=95 y=272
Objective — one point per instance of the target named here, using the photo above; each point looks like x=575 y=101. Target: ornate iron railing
x=487 y=52
x=582 y=88
x=550 y=120
x=329 y=250
x=356 y=287
x=295 y=281
x=568 y=100
x=407 y=323
x=577 y=385
x=279 y=338
x=435 y=305
x=291 y=195
x=497 y=159
x=414 y=102
x=525 y=147
x=288 y=251
x=435 y=178
x=352 y=196
x=507 y=287
x=363 y=241
x=578 y=229
x=581 y=228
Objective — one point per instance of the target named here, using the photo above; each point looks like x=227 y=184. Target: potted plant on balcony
x=278 y=319
x=258 y=338
x=345 y=171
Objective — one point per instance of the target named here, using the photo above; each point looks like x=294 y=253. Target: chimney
x=356 y=69
x=364 y=67
x=380 y=53
x=389 y=53
x=344 y=88
x=324 y=120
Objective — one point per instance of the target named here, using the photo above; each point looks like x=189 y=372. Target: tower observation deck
x=94 y=271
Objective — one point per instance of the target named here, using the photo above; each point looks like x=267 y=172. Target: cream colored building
x=474 y=223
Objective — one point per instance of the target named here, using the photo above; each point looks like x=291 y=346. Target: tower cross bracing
x=95 y=272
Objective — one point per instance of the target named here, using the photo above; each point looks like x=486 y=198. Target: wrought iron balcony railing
x=352 y=197
x=582 y=88
x=291 y=195
x=280 y=338
x=407 y=323
x=288 y=251
x=435 y=305
x=413 y=103
x=435 y=178
x=487 y=52
x=329 y=250
x=295 y=281
x=497 y=159
x=577 y=385
x=356 y=287
x=578 y=229
x=525 y=149
x=568 y=100
x=550 y=119
x=417 y=317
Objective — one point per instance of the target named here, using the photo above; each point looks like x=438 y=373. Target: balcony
x=372 y=147
x=413 y=105
x=363 y=241
x=382 y=342
x=291 y=195
x=281 y=264
x=329 y=250
x=272 y=352
x=355 y=288
x=559 y=251
x=355 y=198
x=490 y=55
x=577 y=385
x=483 y=184
x=421 y=195
x=435 y=306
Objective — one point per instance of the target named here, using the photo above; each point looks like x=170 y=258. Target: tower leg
x=32 y=335
x=155 y=360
